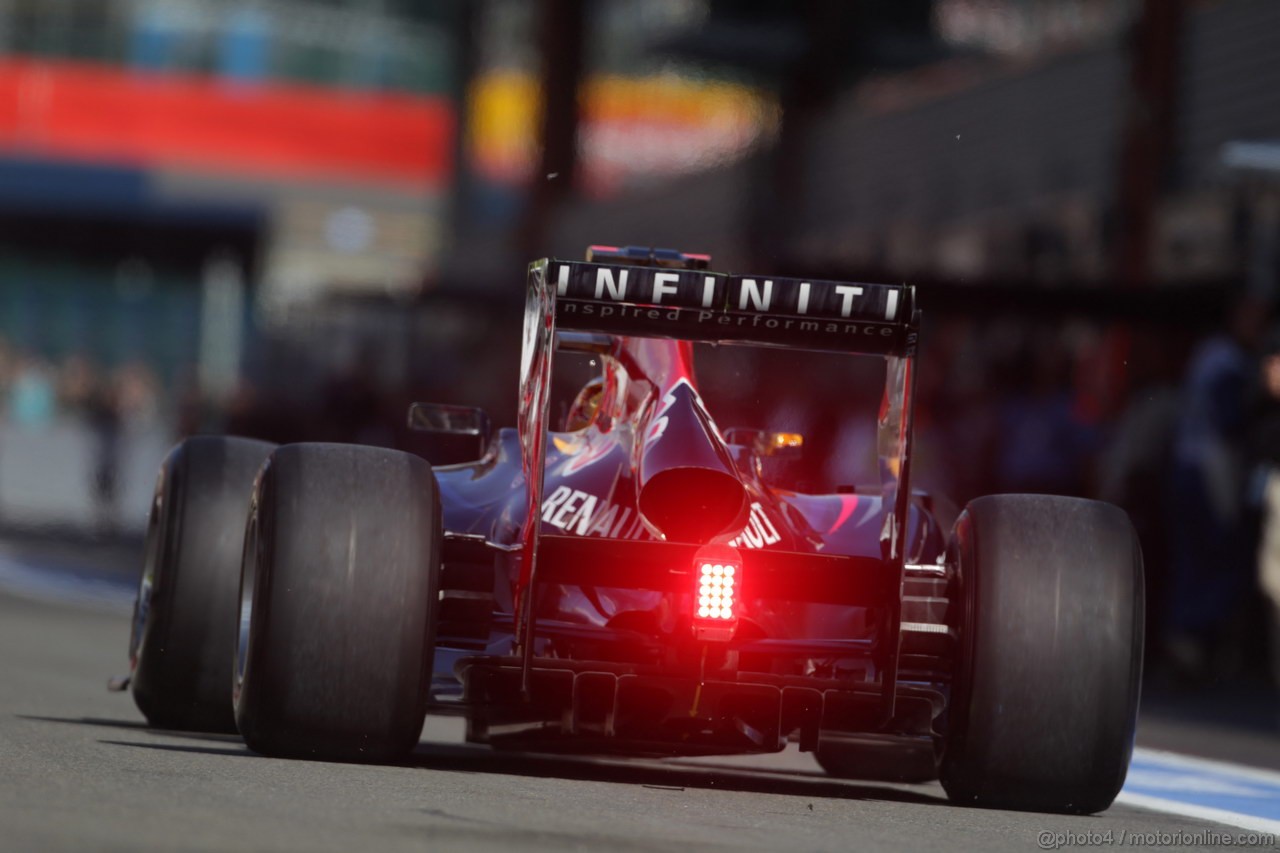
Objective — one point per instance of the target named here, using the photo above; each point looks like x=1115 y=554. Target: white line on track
x=1174 y=807
x=1189 y=762
x=28 y=581
x=1191 y=778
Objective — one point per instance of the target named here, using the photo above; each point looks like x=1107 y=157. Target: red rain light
x=715 y=591
x=717 y=572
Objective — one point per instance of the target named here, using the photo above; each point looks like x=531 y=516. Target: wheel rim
x=248 y=578
x=150 y=559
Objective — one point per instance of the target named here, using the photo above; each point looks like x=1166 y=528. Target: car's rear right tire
x=1045 y=698
x=340 y=586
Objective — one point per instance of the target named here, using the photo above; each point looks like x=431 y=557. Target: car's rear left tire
x=1045 y=698
x=340 y=585
x=184 y=617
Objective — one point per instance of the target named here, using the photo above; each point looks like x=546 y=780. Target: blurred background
x=290 y=218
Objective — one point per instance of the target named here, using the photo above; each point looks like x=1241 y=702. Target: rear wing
x=677 y=298
x=698 y=305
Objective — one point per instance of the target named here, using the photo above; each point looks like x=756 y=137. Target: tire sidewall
x=1070 y=754
x=281 y=707
x=191 y=568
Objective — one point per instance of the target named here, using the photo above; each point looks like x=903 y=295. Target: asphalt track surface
x=81 y=771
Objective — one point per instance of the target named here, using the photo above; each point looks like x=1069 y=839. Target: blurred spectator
x=139 y=396
x=1044 y=446
x=1210 y=564
x=970 y=432
x=351 y=407
x=1133 y=467
x=32 y=401
x=1264 y=452
x=103 y=414
x=253 y=415
x=75 y=383
x=191 y=409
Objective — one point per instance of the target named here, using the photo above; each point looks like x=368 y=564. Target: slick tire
x=185 y=615
x=340 y=582
x=1045 y=698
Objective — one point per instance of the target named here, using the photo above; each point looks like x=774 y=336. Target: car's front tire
x=340 y=583
x=184 y=617
x=1045 y=698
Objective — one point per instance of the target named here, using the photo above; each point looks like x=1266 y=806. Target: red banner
x=107 y=114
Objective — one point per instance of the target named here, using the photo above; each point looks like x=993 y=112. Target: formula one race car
x=636 y=584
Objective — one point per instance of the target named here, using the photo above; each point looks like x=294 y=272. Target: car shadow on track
x=241 y=751
x=85 y=721
x=132 y=725
x=467 y=758
x=234 y=746
x=651 y=774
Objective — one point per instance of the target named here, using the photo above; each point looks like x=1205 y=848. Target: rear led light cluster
x=715 y=591
x=717 y=588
